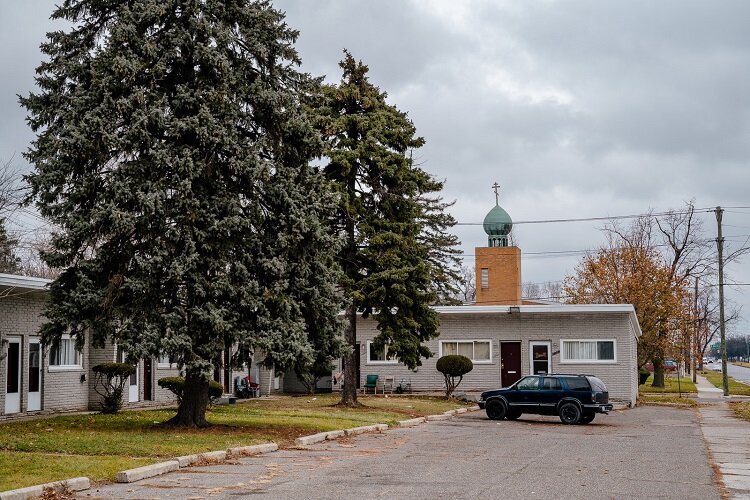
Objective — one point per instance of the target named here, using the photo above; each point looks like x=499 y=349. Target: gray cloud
x=578 y=108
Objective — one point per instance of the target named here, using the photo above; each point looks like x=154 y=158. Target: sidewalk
x=727 y=438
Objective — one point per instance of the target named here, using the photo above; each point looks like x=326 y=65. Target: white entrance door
x=13 y=376
x=34 y=402
x=133 y=387
x=122 y=357
x=541 y=359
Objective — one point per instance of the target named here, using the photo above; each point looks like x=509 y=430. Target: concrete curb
x=411 y=422
x=442 y=416
x=75 y=484
x=132 y=475
x=188 y=460
x=145 y=472
x=253 y=450
x=331 y=435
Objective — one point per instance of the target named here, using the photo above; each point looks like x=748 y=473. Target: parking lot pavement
x=647 y=452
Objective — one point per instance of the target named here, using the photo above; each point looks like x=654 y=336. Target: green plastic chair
x=371 y=383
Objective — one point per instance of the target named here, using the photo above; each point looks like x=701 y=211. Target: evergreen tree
x=173 y=154
x=395 y=236
x=9 y=262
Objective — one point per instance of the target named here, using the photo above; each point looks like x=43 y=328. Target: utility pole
x=695 y=352
x=720 y=245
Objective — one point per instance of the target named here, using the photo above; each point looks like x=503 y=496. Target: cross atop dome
x=495 y=188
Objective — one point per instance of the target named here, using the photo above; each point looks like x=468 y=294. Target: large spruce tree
x=173 y=154
x=397 y=255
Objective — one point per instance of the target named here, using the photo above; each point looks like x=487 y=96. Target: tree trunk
x=658 y=373
x=349 y=392
x=192 y=409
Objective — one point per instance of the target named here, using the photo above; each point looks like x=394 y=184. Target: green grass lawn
x=735 y=387
x=670 y=385
x=97 y=446
x=667 y=399
x=741 y=409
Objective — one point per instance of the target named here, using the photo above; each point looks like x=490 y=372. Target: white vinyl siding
x=589 y=351
x=478 y=351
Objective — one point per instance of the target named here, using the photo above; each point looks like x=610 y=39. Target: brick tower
x=498 y=266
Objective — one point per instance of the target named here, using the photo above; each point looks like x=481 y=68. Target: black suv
x=575 y=398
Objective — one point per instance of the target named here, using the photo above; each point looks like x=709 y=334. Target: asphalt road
x=738 y=372
x=648 y=452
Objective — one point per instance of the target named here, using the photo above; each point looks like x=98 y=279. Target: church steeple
x=498 y=265
x=497 y=223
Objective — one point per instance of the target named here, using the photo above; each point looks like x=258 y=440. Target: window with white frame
x=165 y=361
x=379 y=356
x=63 y=354
x=588 y=351
x=478 y=351
x=485 y=277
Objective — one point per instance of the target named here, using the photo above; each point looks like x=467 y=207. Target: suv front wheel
x=570 y=413
x=496 y=409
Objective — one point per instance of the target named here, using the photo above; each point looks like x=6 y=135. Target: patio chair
x=371 y=383
x=388 y=382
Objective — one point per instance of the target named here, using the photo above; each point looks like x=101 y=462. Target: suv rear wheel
x=570 y=413
x=496 y=409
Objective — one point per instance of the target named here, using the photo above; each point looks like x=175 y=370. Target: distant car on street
x=669 y=366
x=576 y=399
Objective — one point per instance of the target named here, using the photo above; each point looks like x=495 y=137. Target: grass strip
x=667 y=400
x=51 y=449
x=735 y=387
x=670 y=385
x=741 y=409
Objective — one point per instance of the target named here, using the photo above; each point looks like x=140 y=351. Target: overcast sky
x=577 y=108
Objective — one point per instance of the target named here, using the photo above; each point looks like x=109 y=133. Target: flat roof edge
x=24 y=282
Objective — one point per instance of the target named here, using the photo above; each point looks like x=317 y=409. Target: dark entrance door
x=510 y=362
x=147 y=380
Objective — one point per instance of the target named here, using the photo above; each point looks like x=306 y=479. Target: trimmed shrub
x=111 y=378
x=453 y=366
x=177 y=386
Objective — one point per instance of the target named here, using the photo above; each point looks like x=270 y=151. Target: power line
x=590 y=219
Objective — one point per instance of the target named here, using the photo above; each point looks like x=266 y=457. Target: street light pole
x=720 y=244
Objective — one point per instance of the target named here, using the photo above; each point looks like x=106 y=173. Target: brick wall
x=504 y=275
x=620 y=377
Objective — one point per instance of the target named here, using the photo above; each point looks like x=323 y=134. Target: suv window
x=551 y=384
x=528 y=384
x=578 y=383
x=597 y=384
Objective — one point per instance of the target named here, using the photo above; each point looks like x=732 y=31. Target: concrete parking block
x=360 y=430
x=131 y=475
x=74 y=484
x=335 y=435
x=312 y=439
x=461 y=410
x=254 y=450
x=188 y=460
x=433 y=418
x=411 y=422
x=449 y=412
